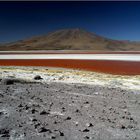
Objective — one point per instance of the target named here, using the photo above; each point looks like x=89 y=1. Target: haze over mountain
x=71 y=39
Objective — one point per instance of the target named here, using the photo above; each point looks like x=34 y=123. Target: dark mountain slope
x=72 y=39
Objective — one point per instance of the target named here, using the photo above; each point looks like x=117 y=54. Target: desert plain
x=44 y=103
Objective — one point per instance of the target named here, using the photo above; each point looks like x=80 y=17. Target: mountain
x=71 y=39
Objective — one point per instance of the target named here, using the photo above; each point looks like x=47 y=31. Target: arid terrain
x=42 y=103
x=71 y=39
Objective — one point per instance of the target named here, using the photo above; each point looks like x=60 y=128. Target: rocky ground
x=48 y=103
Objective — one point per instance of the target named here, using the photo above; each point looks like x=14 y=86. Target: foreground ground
x=68 y=105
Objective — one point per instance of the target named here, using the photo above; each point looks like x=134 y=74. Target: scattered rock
x=53 y=137
x=61 y=78
x=44 y=112
x=89 y=124
x=20 y=105
x=61 y=133
x=27 y=107
x=77 y=111
x=1 y=113
x=33 y=111
x=34 y=120
x=63 y=109
x=20 y=125
x=87 y=137
x=43 y=129
x=36 y=125
x=68 y=118
x=4 y=133
x=86 y=130
x=86 y=102
x=70 y=110
x=123 y=127
x=7 y=81
x=11 y=81
x=55 y=122
x=38 y=77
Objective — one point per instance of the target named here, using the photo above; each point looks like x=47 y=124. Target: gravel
x=63 y=110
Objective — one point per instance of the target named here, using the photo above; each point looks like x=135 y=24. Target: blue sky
x=115 y=20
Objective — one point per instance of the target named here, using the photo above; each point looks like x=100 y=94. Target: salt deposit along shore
x=43 y=103
x=122 y=63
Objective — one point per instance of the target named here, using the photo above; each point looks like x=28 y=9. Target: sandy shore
x=46 y=103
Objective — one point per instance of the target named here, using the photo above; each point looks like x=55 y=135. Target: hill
x=71 y=39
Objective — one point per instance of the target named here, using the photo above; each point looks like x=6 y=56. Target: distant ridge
x=71 y=39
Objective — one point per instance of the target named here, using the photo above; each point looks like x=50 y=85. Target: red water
x=105 y=66
x=72 y=52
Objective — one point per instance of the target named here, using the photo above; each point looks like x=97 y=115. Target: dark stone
x=38 y=77
x=61 y=133
x=123 y=127
x=7 y=81
x=87 y=137
x=20 y=105
x=77 y=110
x=131 y=119
x=34 y=120
x=27 y=107
x=36 y=125
x=68 y=118
x=63 y=108
x=90 y=125
x=43 y=112
x=1 y=113
x=43 y=129
x=4 y=133
x=20 y=125
x=86 y=102
x=86 y=130
x=11 y=81
x=55 y=122
x=53 y=137
x=33 y=111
